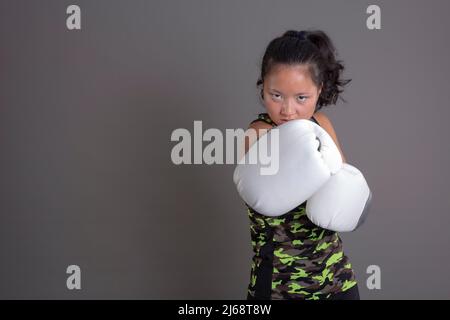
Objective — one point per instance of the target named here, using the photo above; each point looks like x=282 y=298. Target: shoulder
x=325 y=123
x=263 y=121
x=259 y=128
x=255 y=129
x=260 y=125
x=322 y=118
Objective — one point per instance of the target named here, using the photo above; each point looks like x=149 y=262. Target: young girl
x=293 y=258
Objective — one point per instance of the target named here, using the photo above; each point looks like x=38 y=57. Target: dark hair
x=314 y=49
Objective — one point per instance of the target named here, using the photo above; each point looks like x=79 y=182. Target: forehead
x=289 y=77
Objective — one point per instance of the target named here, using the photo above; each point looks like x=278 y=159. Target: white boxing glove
x=342 y=203
x=307 y=157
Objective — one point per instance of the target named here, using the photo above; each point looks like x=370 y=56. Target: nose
x=287 y=110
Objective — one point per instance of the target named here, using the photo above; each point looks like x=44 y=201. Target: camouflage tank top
x=293 y=258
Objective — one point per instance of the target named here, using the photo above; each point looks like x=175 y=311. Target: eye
x=303 y=97
x=274 y=96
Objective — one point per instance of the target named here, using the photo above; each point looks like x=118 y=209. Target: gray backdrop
x=86 y=118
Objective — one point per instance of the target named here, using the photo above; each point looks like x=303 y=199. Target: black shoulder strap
x=264 y=117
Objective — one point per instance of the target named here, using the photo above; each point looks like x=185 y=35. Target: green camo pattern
x=308 y=261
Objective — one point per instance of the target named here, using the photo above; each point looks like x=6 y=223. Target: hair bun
x=301 y=35
x=296 y=34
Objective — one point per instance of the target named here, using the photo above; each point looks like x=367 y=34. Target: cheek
x=302 y=109
x=308 y=106
x=272 y=106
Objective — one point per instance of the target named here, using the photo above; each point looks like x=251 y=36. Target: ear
x=320 y=89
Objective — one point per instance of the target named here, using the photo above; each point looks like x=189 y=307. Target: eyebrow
x=272 y=89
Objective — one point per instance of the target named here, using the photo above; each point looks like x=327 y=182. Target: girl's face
x=289 y=93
